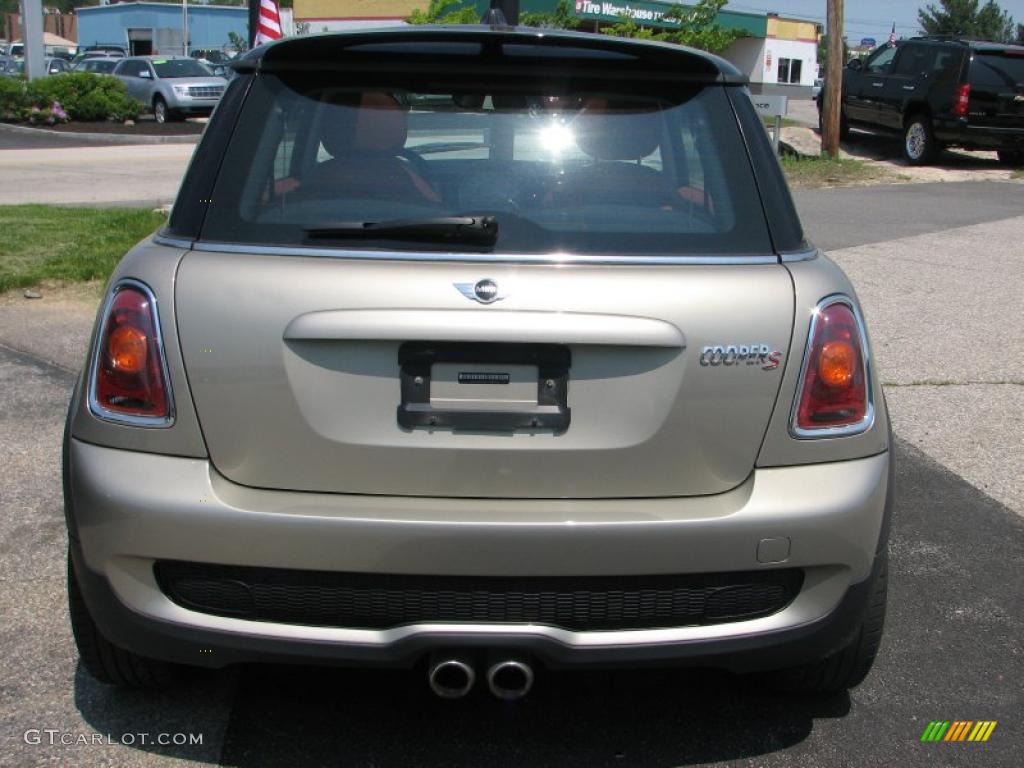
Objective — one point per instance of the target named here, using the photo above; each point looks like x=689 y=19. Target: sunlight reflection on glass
x=556 y=137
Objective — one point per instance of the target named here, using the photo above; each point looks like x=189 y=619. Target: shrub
x=13 y=101
x=85 y=96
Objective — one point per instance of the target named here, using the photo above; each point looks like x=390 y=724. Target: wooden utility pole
x=833 y=80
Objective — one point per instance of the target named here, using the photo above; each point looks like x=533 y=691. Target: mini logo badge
x=485 y=291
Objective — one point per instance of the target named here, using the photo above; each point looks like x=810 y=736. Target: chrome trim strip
x=846 y=430
x=174 y=242
x=490 y=258
x=95 y=407
x=794 y=256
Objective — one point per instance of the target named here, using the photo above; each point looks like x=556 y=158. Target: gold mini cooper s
x=485 y=349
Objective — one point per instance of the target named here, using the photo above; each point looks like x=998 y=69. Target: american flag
x=269 y=28
x=892 y=35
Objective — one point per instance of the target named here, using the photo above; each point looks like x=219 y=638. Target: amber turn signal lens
x=837 y=364
x=126 y=350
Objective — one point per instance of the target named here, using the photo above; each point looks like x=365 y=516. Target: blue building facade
x=145 y=28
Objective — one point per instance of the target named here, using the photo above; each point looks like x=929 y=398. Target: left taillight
x=129 y=374
x=834 y=397
x=962 y=105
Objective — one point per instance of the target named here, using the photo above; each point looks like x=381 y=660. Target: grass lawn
x=787 y=122
x=44 y=242
x=1019 y=174
x=811 y=172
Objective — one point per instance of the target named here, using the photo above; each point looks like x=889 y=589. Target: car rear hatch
x=539 y=270
x=296 y=370
x=997 y=89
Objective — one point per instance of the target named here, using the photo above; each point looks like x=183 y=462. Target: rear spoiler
x=489 y=50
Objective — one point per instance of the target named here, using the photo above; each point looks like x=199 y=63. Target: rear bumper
x=980 y=137
x=128 y=510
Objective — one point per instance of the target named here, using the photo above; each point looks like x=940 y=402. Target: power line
x=820 y=17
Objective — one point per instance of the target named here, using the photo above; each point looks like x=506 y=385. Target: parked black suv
x=938 y=92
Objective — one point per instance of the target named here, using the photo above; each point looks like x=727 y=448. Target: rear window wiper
x=473 y=230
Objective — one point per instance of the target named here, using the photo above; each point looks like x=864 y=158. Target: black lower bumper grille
x=374 y=601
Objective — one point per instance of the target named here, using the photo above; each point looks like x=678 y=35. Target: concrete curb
x=99 y=138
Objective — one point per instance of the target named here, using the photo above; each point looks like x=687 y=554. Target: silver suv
x=488 y=349
x=171 y=85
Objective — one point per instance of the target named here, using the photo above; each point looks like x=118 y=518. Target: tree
x=238 y=43
x=968 y=18
x=1020 y=34
x=823 y=50
x=698 y=27
x=445 y=12
x=561 y=18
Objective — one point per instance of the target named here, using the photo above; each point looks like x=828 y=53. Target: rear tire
x=104 y=660
x=847 y=667
x=1012 y=159
x=919 y=145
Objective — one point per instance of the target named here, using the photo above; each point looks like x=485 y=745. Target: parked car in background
x=210 y=56
x=936 y=92
x=540 y=372
x=98 y=53
x=11 y=67
x=172 y=86
x=105 y=49
x=57 y=66
x=819 y=83
x=101 y=65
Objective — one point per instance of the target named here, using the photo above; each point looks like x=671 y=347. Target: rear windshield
x=171 y=68
x=998 y=71
x=584 y=170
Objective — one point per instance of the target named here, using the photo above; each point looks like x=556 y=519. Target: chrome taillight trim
x=95 y=407
x=846 y=430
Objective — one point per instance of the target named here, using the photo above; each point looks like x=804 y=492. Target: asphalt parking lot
x=938 y=271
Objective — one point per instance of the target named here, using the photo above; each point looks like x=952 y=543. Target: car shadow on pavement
x=138 y=719
x=289 y=716
x=862 y=145
x=292 y=717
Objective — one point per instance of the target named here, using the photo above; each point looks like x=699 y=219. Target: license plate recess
x=551 y=412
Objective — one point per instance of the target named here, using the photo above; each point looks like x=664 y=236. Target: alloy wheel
x=917 y=141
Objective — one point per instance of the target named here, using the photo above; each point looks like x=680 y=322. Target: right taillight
x=963 y=100
x=834 y=397
x=129 y=376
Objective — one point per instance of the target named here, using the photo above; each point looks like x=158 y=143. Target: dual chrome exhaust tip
x=452 y=677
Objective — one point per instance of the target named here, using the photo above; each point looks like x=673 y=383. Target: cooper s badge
x=741 y=354
x=485 y=291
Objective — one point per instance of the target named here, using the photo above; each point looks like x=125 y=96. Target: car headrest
x=373 y=122
x=616 y=131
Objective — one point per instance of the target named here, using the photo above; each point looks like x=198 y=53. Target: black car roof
x=977 y=45
x=524 y=45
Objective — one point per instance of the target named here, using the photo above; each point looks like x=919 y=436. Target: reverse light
x=129 y=375
x=963 y=100
x=834 y=398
